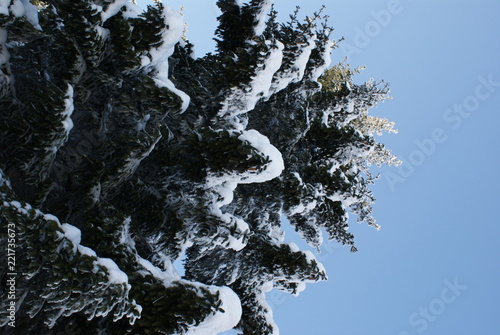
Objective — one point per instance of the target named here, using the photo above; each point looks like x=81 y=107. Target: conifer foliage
x=120 y=153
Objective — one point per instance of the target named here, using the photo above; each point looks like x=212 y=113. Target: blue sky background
x=434 y=266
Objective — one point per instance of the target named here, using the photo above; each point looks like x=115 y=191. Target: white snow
x=214 y=324
x=166 y=276
x=72 y=233
x=262 y=17
x=220 y=321
x=67 y=122
x=224 y=195
x=31 y=14
x=4 y=7
x=262 y=301
x=17 y=8
x=326 y=59
x=264 y=146
x=346 y=200
x=21 y=8
x=243 y=100
x=97 y=8
x=69 y=108
x=132 y=10
x=277 y=234
x=293 y=246
x=102 y=32
x=241 y=227
x=96 y=192
x=112 y=9
x=125 y=237
x=16 y=204
x=116 y=276
x=267 y=286
x=87 y=251
x=347 y=107
x=300 y=208
x=305 y=204
x=186 y=99
x=298 y=177
x=310 y=258
x=296 y=72
x=224 y=185
x=160 y=55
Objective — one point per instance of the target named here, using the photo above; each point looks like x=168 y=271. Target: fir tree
x=120 y=153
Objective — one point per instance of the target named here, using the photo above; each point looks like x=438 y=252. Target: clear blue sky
x=434 y=266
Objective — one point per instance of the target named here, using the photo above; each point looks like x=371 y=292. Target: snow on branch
x=159 y=56
x=225 y=184
x=21 y=8
x=112 y=9
x=261 y=16
x=59 y=249
x=295 y=72
x=224 y=319
x=243 y=99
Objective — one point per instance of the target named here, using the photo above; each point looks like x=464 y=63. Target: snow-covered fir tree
x=120 y=152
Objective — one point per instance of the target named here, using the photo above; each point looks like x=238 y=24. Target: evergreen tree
x=120 y=153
